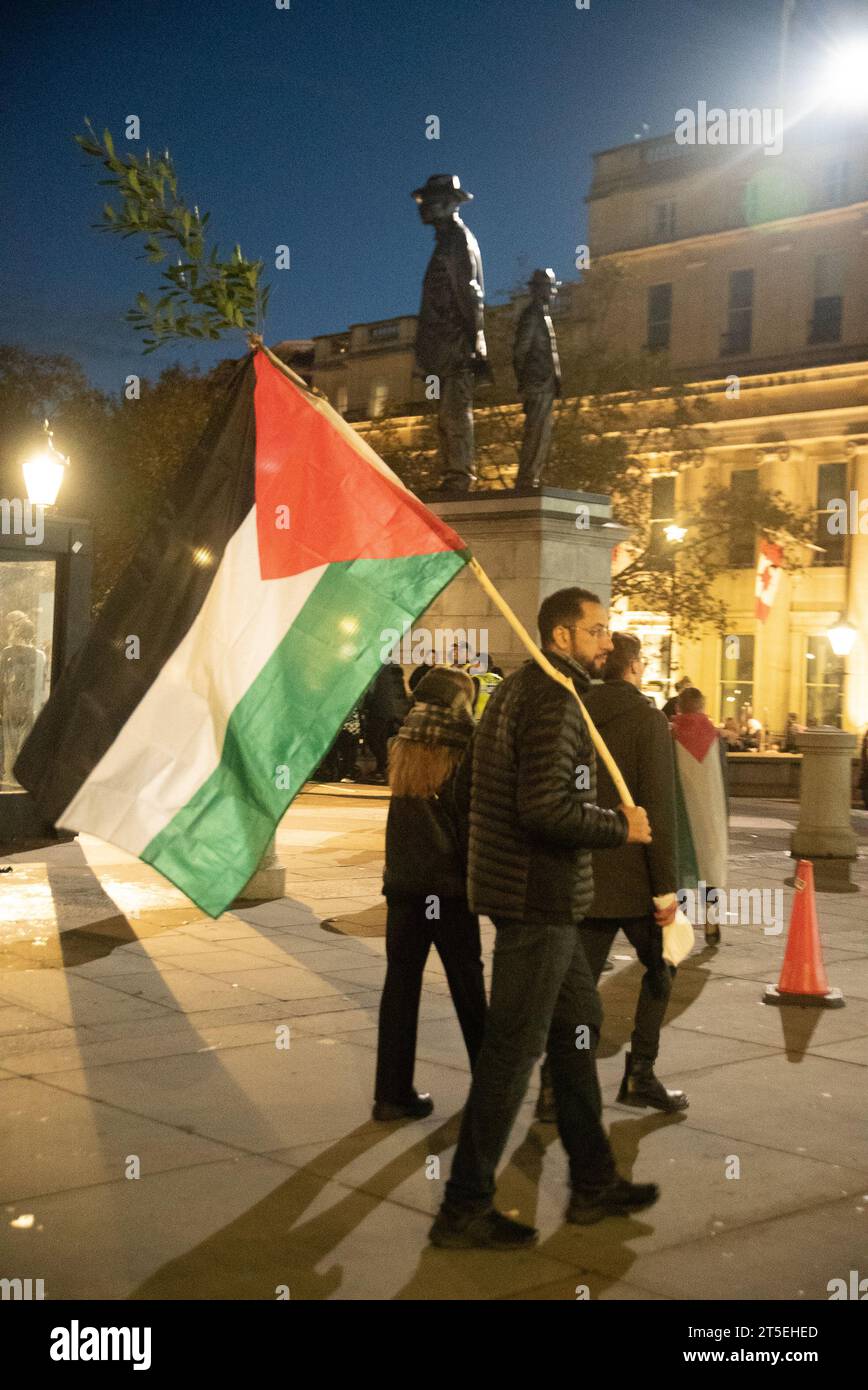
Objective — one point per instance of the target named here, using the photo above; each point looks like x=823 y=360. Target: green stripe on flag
x=284 y=724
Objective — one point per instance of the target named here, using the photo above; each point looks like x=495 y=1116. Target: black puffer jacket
x=638 y=737
x=426 y=844
x=531 y=828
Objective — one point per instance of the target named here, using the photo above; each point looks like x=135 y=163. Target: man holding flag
x=533 y=822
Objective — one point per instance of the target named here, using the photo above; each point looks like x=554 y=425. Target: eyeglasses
x=599 y=631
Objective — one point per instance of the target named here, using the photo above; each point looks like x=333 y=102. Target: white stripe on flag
x=173 y=740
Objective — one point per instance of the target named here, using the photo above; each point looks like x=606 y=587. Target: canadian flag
x=768 y=577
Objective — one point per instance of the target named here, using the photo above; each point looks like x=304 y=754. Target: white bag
x=678 y=939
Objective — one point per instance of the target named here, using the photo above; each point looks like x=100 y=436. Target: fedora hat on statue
x=441 y=186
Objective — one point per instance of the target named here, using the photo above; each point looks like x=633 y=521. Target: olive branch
x=203 y=296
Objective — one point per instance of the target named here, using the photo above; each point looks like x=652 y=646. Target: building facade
x=750 y=272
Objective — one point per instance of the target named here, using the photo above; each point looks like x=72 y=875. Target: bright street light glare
x=43 y=475
x=844 y=82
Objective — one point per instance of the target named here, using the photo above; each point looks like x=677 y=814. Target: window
x=383 y=332
x=342 y=400
x=824 y=684
x=340 y=345
x=825 y=326
x=739 y=324
x=662 y=514
x=831 y=483
x=836 y=183
x=378 y=397
x=736 y=681
x=742 y=536
x=661 y=221
x=659 y=317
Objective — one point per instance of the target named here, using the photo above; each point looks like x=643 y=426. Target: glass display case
x=27 y=613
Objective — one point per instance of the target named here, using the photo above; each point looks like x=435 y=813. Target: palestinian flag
x=701 y=809
x=246 y=627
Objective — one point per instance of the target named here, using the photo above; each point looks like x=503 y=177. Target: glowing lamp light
x=675 y=533
x=841 y=638
x=843 y=83
x=43 y=475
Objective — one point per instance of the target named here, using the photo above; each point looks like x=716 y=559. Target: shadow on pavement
x=269 y=1245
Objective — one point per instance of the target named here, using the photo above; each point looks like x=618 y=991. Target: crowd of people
x=511 y=815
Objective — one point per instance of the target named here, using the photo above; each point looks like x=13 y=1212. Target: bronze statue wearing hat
x=538 y=373
x=450 y=338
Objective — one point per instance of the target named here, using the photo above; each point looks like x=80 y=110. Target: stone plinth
x=529 y=544
x=824 y=833
x=269 y=881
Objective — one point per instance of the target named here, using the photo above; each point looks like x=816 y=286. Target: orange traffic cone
x=803 y=975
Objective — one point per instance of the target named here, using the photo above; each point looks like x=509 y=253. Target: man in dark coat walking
x=627 y=881
x=533 y=822
x=538 y=374
x=450 y=337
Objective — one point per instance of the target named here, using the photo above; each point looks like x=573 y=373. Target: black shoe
x=416 y=1108
x=487 y=1230
x=641 y=1087
x=615 y=1198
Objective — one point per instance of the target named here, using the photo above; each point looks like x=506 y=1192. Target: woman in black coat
x=424 y=886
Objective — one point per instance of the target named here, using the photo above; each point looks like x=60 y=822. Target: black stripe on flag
x=156 y=599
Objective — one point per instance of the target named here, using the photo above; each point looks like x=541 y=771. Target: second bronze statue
x=538 y=373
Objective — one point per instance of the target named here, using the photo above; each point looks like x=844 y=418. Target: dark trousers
x=646 y=938
x=542 y=995
x=537 y=435
x=455 y=428
x=409 y=937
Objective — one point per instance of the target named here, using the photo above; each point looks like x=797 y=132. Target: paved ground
x=135 y=1034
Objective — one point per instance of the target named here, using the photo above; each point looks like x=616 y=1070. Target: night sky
x=307 y=127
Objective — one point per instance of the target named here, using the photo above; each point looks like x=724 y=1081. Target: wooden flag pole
x=542 y=660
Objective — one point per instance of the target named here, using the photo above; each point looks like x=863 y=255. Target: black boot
x=546 y=1111
x=640 y=1087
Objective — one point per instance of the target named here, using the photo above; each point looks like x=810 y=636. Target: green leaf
x=108 y=141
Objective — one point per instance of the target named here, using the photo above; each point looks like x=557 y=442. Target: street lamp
x=842 y=638
x=44 y=473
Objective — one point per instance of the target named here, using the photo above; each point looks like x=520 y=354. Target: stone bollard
x=269 y=880
x=825 y=834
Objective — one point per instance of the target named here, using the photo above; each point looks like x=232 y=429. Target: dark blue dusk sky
x=307 y=127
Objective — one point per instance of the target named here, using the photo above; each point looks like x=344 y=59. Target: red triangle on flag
x=319 y=500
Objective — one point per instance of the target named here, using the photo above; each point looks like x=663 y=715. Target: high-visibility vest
x=486 y=683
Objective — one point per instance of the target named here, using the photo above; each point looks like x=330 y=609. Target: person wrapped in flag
x=702 y=807
x=246 y=627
